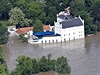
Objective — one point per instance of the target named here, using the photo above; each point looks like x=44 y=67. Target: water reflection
x=83 y=54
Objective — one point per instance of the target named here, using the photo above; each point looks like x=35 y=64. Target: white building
x=68 y=27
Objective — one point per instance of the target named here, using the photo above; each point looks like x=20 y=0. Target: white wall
x=52 y=39
x=58 y=28
x=72 y=33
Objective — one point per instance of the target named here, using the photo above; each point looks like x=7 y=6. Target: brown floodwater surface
x=83 y=54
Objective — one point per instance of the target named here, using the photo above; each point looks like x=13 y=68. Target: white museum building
x=65 y=29
x=70 y=28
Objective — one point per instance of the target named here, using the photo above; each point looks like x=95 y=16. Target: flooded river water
x=83 y=54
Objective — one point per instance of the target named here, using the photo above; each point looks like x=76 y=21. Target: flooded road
x=83 y=54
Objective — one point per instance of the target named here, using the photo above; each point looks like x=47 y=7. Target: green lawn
x=5 y=23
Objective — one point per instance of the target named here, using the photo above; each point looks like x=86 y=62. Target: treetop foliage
x=27 y=65
x=46 y=10
x=3 y=66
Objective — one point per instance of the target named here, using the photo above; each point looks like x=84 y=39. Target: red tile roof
x=24 y=30
x=46 y=27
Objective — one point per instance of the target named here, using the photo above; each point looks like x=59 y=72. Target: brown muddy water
x=83 y=54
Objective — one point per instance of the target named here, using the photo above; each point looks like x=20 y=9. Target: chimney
x=67 y=10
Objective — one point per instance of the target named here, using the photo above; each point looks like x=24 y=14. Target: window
x=56 y=40
x=42 y=41
x=69 y=39
x=53 y=41
x=74 y=38
x=45 y=41
x=64 y=40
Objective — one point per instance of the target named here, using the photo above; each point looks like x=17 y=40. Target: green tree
x=87 y=20
x=88 y=4
x=35 y=10
x=27 y=66
x=93 y=28
x=50 y=63
x=38 y=26
x=2 y=71
x=3 y=66
x=51 y=15
x=43 y=64
x=62 y=65
x=49 y=56
x=42 y=17
x=24 y=6
x=35 y=66
x=95 y=10
x=24 y=65
x=77 y=6
x=98 y=27
x=17 y=18
x=5 y=7
x=4 y=35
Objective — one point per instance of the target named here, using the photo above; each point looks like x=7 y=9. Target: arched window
x=64 y=40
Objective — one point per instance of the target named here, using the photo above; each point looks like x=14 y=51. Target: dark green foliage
x=38 y=26
x=89 y=11
x=4 y=34
x=43 y=64
x=24 y=39
x=46 y=11
x=96 y=10
x=98 y=27
x=62 y=65
x=3 y=66
x=35 y=66
x=5 y=6
x=27 y=66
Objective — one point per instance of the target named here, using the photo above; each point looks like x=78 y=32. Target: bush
x=24 y=39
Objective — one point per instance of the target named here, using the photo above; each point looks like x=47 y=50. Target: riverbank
x=49 y=73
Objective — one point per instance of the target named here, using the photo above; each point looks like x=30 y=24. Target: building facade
x=70 y=28
x=66 y=28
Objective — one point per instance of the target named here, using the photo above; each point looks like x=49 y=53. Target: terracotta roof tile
x=24 y=30
x=46 y=27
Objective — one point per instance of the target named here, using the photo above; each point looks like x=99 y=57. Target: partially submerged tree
x=62 y=65
x=27 y=65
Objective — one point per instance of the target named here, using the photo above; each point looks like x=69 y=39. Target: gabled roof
x=61 y=16
x=24 y=30
x=71 y=23
x=65 y=17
